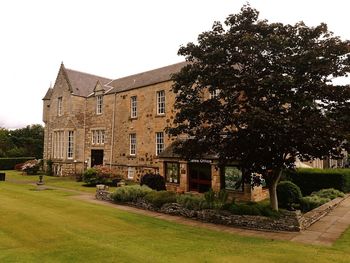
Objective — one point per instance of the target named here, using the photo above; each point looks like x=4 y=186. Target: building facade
x=91 y=120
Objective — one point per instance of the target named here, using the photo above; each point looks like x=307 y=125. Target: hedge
x=311 y=180
x=9 y=163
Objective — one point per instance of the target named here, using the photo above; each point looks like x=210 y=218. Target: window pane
x=172 y=173
x=233 y=178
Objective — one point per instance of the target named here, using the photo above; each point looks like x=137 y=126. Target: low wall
x=288 y=221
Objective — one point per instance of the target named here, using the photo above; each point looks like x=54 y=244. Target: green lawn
x=52 y=226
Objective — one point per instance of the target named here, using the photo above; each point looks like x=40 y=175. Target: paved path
x=324 y=232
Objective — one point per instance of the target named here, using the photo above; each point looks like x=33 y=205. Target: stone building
x=91 y=120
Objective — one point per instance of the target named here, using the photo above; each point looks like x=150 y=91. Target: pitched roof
x=83 y=84
x=145 y=78
x=48 y=94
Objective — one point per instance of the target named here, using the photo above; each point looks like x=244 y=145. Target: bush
x=31 y=167
x=130 y=193
x=192 y=202
x=9 y=163
x=154 y=181
x=329 y=193
x=252 y=208
x=18 y=167
x=99 y=175
x=159 y=198
x=49 y=170
x=310 y=202
x=287 y=194
x=215 y=200
x=312 y=180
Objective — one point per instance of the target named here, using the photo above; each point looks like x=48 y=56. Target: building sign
x=200 y=161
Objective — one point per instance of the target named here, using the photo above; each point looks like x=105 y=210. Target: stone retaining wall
x=288 y=221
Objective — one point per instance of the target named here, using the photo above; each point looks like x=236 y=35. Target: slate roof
x=145 y=78
x=83 y=84
x=48 y=94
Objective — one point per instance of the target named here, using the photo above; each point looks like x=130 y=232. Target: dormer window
x=59 y=106
x=99 y=103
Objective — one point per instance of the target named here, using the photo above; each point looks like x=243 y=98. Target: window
x=99 y=103
x=70 y=146
x=131 y=172
x=172 y=174
x=133 y=106
x=161 y=102
x=233 y=178
x=58 y=144
x=214 y=94
x=133 y=144
x=59 y=106
x=159 y=142
x=98 y=137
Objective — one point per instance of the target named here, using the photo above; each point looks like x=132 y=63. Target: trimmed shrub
x=192 y=202
x=287 y=194
x=312 y=180
x=130 y=193
x=159 y=198
x=154 y=181
x=9 y=163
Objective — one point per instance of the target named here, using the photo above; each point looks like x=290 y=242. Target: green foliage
x=49 y=167
x=287 y=194
x=215 y=200
x=10 y=163
x=319 y=198
x=311 y=180
x=273 y=81
x=192 y=202
x=100 y=175
x=159 y=198
x=330 y=193
x=154 y=181
x=31 y=167
x=251 y=208
x=310 y=202
x=26 y=141
x=130 y=193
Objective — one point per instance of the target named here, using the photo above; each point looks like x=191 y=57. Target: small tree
x=273 y=98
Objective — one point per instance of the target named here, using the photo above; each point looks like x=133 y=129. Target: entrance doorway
x=96 y=157
x=200 y=177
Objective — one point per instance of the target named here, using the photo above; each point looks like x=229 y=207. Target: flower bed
x=286 y=221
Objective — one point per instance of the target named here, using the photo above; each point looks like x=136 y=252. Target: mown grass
x=53 y=226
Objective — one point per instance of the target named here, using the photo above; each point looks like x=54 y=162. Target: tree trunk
x=272 y=189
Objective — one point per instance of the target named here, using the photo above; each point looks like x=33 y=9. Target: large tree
x=275 y=98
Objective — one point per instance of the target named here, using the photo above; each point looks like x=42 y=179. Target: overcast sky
x=117 y=38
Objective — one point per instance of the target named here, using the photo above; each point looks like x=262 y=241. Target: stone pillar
x=215 y=177
x=184 y=176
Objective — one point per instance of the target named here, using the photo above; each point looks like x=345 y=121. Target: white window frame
x=59 y=106
x=132 y=140
x=133 y=107
x=159 y=142
x=99 y=104
x=98 y=137
x=161 y=102
x=70 y=145
x=58 y=144
x=131 y=172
